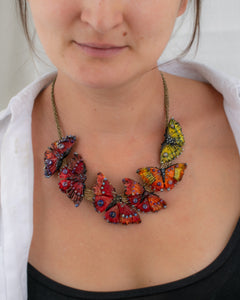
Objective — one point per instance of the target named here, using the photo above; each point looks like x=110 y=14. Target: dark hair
x=22 y=6
x=196 y=28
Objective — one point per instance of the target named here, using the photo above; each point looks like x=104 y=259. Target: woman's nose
x=102 y=15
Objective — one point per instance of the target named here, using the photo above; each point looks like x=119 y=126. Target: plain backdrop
x=219 y=45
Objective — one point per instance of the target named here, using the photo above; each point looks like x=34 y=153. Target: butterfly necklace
x=137 y=197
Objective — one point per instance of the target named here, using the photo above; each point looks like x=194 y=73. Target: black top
x=219 y=281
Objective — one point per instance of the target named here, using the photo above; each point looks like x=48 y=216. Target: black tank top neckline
x=219 y=277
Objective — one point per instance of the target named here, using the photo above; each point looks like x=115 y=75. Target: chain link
x=55 y=111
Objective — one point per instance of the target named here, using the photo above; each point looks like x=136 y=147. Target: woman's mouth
x=100 y=50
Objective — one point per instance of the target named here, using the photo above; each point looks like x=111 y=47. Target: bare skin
x=78 y=248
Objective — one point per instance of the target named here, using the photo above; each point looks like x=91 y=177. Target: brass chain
x=55 y=111
x=166 y=98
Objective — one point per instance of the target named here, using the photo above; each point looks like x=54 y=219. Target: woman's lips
x=100 y=50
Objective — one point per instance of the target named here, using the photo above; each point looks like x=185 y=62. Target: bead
x=112 y=214
x=60 y=146
x=49 y=162
x=100 y=202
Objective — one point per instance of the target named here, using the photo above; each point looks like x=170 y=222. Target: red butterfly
x=106 y=199
x=164 y=178
x=73 y=179
x=141 y=199
x=55 y=154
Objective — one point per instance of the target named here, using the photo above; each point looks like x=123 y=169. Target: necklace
x=137 y=197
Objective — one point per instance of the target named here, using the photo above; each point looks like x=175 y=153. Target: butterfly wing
x=169 y=152
x=173 y=143
x=55 y=154
x=122 y=213
x=152 y=177
x=113 y=215
x=128 y=215
x=155 y=202
x=104 y=193
x=134 y=192
x=173 y=175
x=174 y=131
x=73 y=178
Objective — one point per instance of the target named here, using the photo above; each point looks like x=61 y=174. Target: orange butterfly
x=163 y=178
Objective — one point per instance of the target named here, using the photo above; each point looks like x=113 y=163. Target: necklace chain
x=55 y=110
x=56 y=116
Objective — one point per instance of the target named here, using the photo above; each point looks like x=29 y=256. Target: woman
x=110 y=104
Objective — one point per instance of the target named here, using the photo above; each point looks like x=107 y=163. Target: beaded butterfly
x=141 y=199
x=106 y=199
x=163 y=178
x=73 y=177
x=173 y=142
x=55 y=154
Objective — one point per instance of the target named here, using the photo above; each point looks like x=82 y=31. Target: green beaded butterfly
x=172 y=145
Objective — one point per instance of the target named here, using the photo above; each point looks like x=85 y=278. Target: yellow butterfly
x=172 y=146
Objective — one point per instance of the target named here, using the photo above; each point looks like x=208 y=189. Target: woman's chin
x=98 y=73
x=99 y=79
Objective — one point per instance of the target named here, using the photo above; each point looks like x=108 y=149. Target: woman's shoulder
x=209 y=111
x=192 y=98
x=203 y=79
x=203 y=96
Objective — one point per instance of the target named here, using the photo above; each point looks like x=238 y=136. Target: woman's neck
x=118 y=111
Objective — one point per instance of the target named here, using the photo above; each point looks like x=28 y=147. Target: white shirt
x=17 y=173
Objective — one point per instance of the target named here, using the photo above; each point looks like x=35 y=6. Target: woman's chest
x=78 y=248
